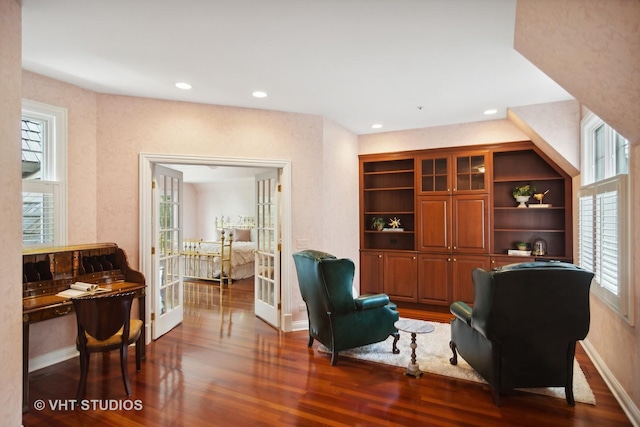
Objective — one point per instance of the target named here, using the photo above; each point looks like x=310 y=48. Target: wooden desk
x=49 y=271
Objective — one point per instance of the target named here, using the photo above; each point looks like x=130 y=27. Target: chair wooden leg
x=334 y=358
x=84 y=369
x=568 y=388
x=568 y=392
x=138 y=353
x=396 y=337
x=123 y=366
x=496 y=396
x=453 y=347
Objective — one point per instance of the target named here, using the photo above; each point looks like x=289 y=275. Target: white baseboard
x=52 y=358
x=629 y=408
x=300 y=325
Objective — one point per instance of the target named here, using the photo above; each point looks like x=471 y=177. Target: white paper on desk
x=80 y=289
x=85 y=287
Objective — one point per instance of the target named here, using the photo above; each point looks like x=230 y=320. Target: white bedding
x=242 y=260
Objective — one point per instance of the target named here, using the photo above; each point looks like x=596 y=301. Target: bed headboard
x=244 y=222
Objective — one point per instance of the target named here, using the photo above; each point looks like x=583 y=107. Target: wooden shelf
x=389 y=172
x=389 y=189
x=528 y=230
x=515 y=208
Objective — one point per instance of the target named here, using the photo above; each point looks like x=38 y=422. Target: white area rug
x=433 y=353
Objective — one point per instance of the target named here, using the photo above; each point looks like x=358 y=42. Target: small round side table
x=414 y=326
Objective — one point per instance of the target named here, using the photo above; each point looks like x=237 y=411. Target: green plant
x=377 y=223
x=524 y=190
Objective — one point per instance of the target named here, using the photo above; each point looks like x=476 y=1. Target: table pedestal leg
x=413 y=369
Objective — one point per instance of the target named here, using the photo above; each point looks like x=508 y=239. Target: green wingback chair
x=524 y=325
x=337 y=319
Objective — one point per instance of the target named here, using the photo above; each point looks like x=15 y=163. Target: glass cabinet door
x=434 y=175
x=470 y=173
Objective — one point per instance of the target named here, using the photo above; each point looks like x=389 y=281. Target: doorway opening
x=147 y=164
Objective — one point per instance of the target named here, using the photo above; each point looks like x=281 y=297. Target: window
x=603 y=218
x=44 y=171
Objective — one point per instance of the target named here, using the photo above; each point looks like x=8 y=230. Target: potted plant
x=523 y=193
x=377 y=223
x=522 y=246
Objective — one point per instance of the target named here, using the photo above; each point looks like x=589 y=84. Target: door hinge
x=153 y=250
x=279 y=188
x=279 y=247
x=153 y=185
x=153 y=317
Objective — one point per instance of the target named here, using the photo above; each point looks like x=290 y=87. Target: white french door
x=168 y=291
x=267 y=256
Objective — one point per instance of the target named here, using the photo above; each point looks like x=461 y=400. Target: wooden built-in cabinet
x=457 y=213
x=388 y=192
x=512 y=224
x=390 y=272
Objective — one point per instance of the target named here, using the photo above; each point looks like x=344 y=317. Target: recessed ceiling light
x=490 y=112
x=376 y=126
x=183 y=85
x=259 y=94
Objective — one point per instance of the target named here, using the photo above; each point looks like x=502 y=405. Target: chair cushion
x=135 y=328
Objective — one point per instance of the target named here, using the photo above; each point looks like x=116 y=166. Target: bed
x=230 y=256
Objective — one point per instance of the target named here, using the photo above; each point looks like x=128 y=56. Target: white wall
x=228 y=199
x=189 y=211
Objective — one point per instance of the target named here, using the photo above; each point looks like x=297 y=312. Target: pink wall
x=81 y=149
x=10 y=181
x=555 y=128
x=592 y=49
x=81 y=178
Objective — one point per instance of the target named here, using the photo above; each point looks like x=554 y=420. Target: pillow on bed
x=242 y=235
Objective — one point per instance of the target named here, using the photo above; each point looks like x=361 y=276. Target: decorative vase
x=522 y=200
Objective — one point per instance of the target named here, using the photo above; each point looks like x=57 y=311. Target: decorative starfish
x=394 y=223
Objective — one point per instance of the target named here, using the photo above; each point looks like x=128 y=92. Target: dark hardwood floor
x=224 y=367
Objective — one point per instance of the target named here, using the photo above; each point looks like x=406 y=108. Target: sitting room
x=408 y=153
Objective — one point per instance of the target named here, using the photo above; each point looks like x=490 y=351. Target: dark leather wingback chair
x=524 y=325
x=336 y=319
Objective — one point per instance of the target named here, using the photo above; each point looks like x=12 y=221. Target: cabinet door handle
x=448 y=259
x=379 y=256
x=454 y=260
x=455 y=247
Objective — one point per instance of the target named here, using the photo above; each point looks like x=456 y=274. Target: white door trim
x=145 y=261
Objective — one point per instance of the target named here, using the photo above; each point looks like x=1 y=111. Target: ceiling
x=200 y=174
x=404 y=64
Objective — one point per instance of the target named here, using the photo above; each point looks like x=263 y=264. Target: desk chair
x=104 y=324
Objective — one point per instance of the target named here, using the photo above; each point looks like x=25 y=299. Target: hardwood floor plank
x=223 y=366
